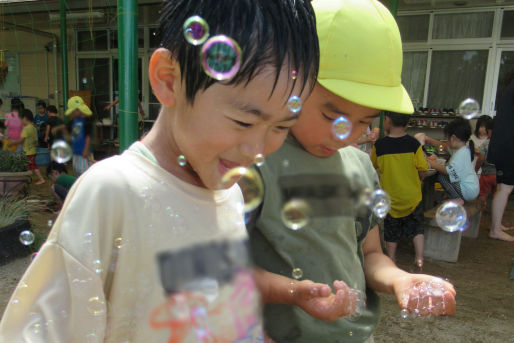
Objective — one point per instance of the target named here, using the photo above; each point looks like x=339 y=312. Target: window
x=94 y=76
x=414 y=28
x=140 y=39
x=463 y=25
x=413 y=75
x=92 y=40
x=506 y=65
x=507 y=30
x=456 y=75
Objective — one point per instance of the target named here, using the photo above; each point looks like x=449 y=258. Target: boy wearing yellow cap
x=81 y=131
x=339 y=244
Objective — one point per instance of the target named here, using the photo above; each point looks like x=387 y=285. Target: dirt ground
x=485 y=295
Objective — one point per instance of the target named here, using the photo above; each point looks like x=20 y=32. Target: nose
x=252 y=146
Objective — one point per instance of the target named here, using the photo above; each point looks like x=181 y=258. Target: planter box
x=13 y=183
x=10 y=245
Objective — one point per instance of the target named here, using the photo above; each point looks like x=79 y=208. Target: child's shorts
x=32 y=162
x=487 y=185
x=411 y=225
x=505 y=176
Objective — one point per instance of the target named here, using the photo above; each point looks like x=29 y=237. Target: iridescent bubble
x=341 y=128
x=118 y=242
x=294 y=104
x=365 y=197
x=50 y=223
x=441 y=149
x=221 y=57
x=196 y=30
x=451 y=217
x=96 y=306
x=297 y=273
x=259 y=160
x=250 y=183
x=61 y=151
x=293 y=74
x=295 y=214
x=404 y=314
x=380 y=203
x=26 y=237
x=469 y=108
x=182 y=161
x=97 y=266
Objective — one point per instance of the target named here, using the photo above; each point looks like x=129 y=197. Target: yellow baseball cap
x=361 y=54
x=77 y=103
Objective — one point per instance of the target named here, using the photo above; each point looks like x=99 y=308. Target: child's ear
x=164 y=75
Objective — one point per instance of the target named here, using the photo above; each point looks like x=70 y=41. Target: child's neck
x=458 y=144
x=396 y=132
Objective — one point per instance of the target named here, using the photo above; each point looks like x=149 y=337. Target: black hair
x=52 y=109
x=41 y=103
x=397 y=119
x=1 y=102
x=60 y=168
x=482 y=121
x=17 y=104
x=490 y=124
x=461 y=128
x=26 y=113
x=269 y=32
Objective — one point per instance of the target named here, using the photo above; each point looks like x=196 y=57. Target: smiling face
x=226 y=126
x=41 y=110
x=314 y=127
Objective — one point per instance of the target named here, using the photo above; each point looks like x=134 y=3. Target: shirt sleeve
x=374 y=157
x=419 y=160
x=24 y=132
x=62 y=295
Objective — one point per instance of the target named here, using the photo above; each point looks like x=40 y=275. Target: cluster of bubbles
x=341 y=128
x=61 y=151
x=424 y=299
x=451 y=217
x=250 y=183
x=360 y=305
x=378 y=201
x=469 y=108
x=220 y=55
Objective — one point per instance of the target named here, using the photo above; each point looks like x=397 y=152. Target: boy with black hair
x=52 y=123
x=148 y=248
x=62 y=181
x=402 y=164
x=28 y=138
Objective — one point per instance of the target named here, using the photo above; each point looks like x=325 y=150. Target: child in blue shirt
x=80 y=130
x=458 y=178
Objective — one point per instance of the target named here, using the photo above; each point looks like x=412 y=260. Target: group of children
x=149 y=249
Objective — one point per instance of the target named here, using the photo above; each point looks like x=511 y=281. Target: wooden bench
x=444 y=246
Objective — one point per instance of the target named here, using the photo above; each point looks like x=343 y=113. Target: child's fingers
x=450 y=305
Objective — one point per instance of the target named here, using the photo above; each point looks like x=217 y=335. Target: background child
x=400 y=160
x=40 y=121
x=458 y=178
x=28 y=138
x=62 y=181
x=53 y=122
x=147 y=249
x=13 y=124
x=81 y=130
x=360 y=69
x=488 y=171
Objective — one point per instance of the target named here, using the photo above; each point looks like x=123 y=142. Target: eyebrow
x=247 y=108
x=333 y=108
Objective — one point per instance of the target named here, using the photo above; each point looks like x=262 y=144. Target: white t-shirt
x=460 y=169
x=137 y=255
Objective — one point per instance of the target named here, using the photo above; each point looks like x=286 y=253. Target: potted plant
x=14 y=173
x=14 y=219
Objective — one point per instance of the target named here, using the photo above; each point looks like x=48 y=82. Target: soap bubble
x=377 y=201
x=182 y=161
x=469 y=108
x=61 y=151
x=96 y=306
x=221 y=57
x=360 y=305
x=297 y=273
x=294 y=104
x=250 y=183
x=451 y=217
x=50 y=223
x=404 y=314
x=97 y=266
x=341 y=128
x=293 y=74
x=259 y=160
x=26 y=237
x=196 y=30
x=118 y=242
x=295 y=214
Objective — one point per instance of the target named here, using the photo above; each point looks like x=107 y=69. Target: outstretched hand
x=318 y=300
x=425 y=295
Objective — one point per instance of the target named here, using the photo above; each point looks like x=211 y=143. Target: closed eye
x=242 y=124
x=327 y=117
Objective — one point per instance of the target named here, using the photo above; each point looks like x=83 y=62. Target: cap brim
x=394 y=99
x=82 y=108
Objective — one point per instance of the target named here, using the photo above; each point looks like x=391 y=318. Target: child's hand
x=318 y=300
x=425 y=295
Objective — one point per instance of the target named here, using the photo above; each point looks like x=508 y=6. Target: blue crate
x=42 y=157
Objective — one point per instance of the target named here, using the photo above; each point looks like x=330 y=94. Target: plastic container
x=42 y=157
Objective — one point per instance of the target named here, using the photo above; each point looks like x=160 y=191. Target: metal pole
x=393 y=8
x=127 y=71
x=64 y=54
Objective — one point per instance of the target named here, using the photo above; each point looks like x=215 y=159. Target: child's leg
x=415 y=230
x=499 y=202
x=451 y=188
x=392 y=235
x=40 y=177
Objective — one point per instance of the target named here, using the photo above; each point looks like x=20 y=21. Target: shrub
x=11 y=162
